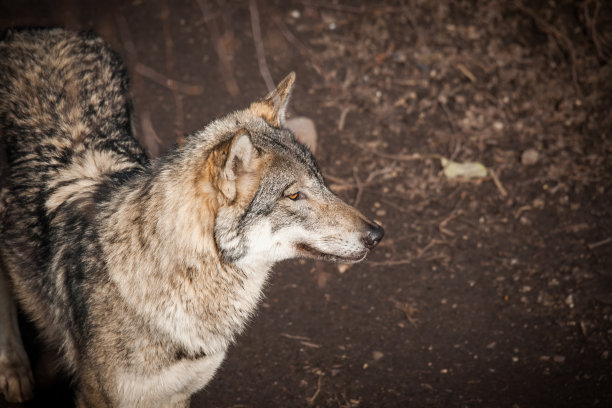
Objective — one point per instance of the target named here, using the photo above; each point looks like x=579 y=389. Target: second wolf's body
x=143 y=273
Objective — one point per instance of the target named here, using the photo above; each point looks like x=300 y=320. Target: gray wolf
x=142 y=272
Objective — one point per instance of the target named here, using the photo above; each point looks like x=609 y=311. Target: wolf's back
x=61 y=91
x=65 y=124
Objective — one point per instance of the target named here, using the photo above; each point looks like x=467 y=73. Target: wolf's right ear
x=240 y=159
x=273 y=106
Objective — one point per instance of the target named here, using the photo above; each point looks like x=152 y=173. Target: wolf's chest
x=180 y=379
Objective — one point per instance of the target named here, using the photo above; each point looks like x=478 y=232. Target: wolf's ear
x=273 y=106
x=240 y=159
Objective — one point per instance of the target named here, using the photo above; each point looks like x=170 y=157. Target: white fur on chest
x=161 y=389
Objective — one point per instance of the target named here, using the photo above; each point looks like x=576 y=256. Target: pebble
x=569 y=301
x=530 y=157
x=343 y=268
x=304 y=130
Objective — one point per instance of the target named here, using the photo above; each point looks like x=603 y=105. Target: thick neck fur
x=160 y=228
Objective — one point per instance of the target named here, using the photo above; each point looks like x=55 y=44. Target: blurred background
x=478 y=133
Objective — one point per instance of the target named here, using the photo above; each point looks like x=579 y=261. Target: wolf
x=142 y=272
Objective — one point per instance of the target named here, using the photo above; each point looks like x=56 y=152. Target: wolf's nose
x=374 y=235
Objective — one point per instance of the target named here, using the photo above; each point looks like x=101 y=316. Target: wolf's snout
x=374 y=235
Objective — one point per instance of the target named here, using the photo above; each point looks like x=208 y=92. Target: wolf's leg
x=16 y=378
x=89 y=391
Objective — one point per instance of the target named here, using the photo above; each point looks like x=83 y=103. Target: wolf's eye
x=294 y=196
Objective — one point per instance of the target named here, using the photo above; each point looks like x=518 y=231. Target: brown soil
x=495 y=292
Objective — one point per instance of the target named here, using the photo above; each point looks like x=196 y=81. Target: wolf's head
x=272 y=201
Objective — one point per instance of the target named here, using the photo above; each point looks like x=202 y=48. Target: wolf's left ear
x=240 y=160
x=273 y=106
x=240 y=156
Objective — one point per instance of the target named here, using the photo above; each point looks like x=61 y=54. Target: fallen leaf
x=467 y=170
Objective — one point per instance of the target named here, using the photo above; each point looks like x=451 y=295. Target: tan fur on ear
x=207 y=182
x=273 y=106
x=241 y=162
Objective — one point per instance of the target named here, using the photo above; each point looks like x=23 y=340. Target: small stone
x=377 y=355
x=530 y=157
x=343 y=268
x=569 y=301
x=559 y=359
x=304 y=130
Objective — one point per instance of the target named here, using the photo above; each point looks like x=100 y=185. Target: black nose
x=374 y=235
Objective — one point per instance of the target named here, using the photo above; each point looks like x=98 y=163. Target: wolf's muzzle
x=374 y=235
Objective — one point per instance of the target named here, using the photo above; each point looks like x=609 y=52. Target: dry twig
x=356 y=9
x=294 y=337
x=314 y=62
x=151 y=140
x=565 y=42
x=430 y=245
x=500 y=187
x=466 y=72
x=409 y=310
x=603 y=52
x=391 y=262
x=343 y=114
x=600 y=243
x=442 y=224
x=148 y=72
x=406 y=157
x=126 y=38
x=259 y=46
x=168 y=45
x=161 y=79
x=451 y=123
x=359 y=187
x=225 y=61
x=312 y=399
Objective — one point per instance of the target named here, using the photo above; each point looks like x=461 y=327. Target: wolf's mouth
x=313 y=252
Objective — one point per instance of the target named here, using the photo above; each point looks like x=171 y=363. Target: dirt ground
x=490 y=292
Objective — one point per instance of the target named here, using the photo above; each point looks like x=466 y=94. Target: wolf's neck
x=164 y=260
